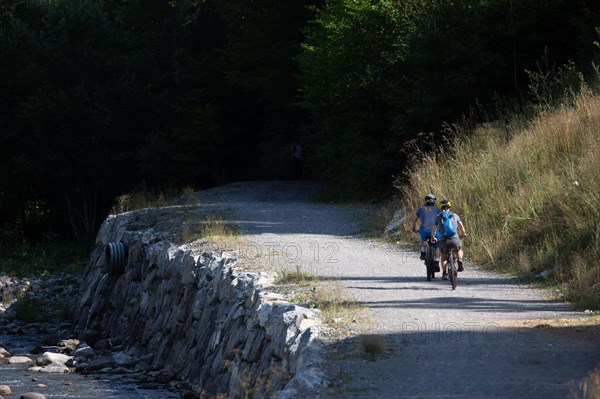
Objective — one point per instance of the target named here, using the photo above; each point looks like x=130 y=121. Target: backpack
x=448 y=223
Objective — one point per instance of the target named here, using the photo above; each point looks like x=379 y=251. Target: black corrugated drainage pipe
x=116 y=258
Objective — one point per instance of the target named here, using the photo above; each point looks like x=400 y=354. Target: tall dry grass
x=142 y=197
x=528 y=193
x=588 y=388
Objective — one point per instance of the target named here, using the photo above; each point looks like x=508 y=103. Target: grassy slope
x=529 y=194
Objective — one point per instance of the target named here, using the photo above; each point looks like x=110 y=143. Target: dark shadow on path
x=445 y=297
x=474 y=304
x=462 y=361
x=487 y=281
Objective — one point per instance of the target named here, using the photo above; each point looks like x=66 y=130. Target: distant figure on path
x=297 y=159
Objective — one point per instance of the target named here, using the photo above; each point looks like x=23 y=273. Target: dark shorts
x=453 y=241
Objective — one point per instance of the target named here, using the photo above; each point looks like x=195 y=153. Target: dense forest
x=102 y=97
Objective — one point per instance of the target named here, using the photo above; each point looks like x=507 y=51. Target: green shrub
x=43 y=258
x=28 y=309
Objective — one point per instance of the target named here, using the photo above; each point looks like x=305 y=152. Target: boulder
x=51 y=357
x=56 y=368
x=19 y=360
x=4 y=353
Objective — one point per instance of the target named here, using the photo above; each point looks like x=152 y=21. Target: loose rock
x=32 y=395
x=57 y=368
x=19 y=360
x=50 y=357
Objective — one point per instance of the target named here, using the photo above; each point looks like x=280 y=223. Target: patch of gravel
x=435 y=341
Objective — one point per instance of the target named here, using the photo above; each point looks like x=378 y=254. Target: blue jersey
x=427 y=215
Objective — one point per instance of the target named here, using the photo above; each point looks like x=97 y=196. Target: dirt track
x=438 y=343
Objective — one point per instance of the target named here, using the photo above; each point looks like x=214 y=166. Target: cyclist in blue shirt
x=427 y=215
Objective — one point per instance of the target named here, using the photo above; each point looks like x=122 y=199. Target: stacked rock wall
x=194 y=317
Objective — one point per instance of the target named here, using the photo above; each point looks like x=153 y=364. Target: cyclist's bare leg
x=459 y=257
x=423 y=249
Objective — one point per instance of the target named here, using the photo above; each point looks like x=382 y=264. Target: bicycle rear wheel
x=430 y=263
x=452 y=270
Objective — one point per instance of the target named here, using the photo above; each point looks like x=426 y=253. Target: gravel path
x=438 y=343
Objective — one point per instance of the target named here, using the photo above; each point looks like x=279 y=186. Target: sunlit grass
x=588 y=388
x=528 y=193
x=296 y=276
x=142 y=198
x=213 y=229
x=344 y=315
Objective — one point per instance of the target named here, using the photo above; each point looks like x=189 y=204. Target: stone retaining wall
x=195 y=318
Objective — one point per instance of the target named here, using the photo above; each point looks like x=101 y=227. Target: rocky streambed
x=40 y=357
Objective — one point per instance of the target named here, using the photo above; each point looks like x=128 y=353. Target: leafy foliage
x=101 y=96
x=377 y=74
x=354 y=69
